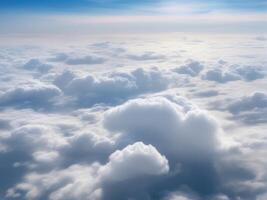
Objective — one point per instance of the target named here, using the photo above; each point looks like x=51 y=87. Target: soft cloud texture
x=192 y=68
x=111 y=88
x=134 y=118
x=37 y=65
x=220 y=76
x=88 y=180
x=122 y=164
x=250 y=109
x=246 y=73
x=35 y=94
x=147 y=120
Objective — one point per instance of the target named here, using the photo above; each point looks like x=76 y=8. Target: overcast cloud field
x=152 y=100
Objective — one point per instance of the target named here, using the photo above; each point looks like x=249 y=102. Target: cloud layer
x=134 y=118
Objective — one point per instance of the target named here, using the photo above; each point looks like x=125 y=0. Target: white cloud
x=192 y=68
x=165 y=125
x=31 y=138
x=220 y=76
x=75 y=182
x=63 y=79
x=250 y=73
x=254 y=101
x=234 y=73
x=134 y=161
x=58 y=57
x=37 y=65
x=119 y=131
x=35 y=94
x=114 y=87
x=85 y=181
x=87 y=147
x=250 y=109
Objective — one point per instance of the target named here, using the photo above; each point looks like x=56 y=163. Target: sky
x=99 y=7
x=137 y=100
x=94 y=17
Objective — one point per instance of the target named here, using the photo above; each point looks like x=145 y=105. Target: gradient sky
x=92 y=16
x=100 y=6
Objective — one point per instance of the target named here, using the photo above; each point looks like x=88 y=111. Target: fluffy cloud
x=77 y=60
x=58 y=57
x=111 y=88
x=26 y=147
x=188 y=139
x=192 y=68
x=168 y=127
x=88 y=181
x=250 y=73
x=64 y=79
x=250 y=109
x=220 y=76
x=87 y=148
x=246 y=73
x=122 y=163
x=33 y=94
x=125 y=132
x=29 y=138
x=74 y=182
x=163 y=123
x=37 y=65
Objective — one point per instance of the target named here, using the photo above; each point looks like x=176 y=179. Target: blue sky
x=101 y=6
x=109 y=16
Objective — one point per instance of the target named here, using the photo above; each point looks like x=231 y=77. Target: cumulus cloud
x=170 y=138
x=125 y=132
x=58 y=57
x=250 y=109
x=111 y=88
x=187 y=139
x=122 y=163
x=88 y=181
x=220 y=76
x=250 y=73
x=87 y=147
x=192 y=68
x=163 y=124
x=246 y=73
x=37 y=65
x=64 y=79
x=74 y=182
x=30 y=145
x=33 y=94
x=71 y=59
x=29 y=138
